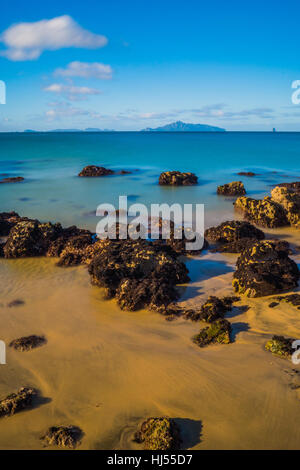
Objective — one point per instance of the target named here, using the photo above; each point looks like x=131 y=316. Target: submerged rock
x=233 y=236
x=217 y=332
x=17 y=401
x=280 y=346
x=93 y=170
x=26 y=343
x=264 y=212
x=12 y=179
x=290 y=201
x=176 y=178
x=247 y=173
x=138 y=273
x=159 y=434
x=236 y=188
x=214 y=308
x=63 y=436
x=265 y=269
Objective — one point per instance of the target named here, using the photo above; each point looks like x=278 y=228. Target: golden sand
x=105 y=370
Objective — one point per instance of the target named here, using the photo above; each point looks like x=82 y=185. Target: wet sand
x=105 y=370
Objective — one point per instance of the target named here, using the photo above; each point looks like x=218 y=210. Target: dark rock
x=26 y=343
x=265 y=269
x=247 y=173
x=159 y=434
x=139 y=273
x=93 y=170
x=13 y=179
x=293 y=299
x=7 y=221
x=233 y=236
x=17 y=401
x=213 y=309
x=74 y=250
x=176 y=178
x=280 y=346
x=295 y=186
x=236 y=188
x=63 y=436
x=16 y=303
x=217 y=332
x=273 y=304
x=264 y=212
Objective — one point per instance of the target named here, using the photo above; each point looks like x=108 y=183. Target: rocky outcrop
x=217 y=332
x=176 y=178
x=213 y=309
x=26 y=343
x=233 y=236
x=290 y=201
x=265 y=269
x=7 y=221
x=138 y=273
x=63 y=436
x=280 y=346
x=295 y=186
x=12 y=179
x=159 y=434
x=264 y=212
x=93 y=170
x=236 y=188
x=17 y=401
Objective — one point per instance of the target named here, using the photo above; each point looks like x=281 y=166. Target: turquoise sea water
x=50 y=163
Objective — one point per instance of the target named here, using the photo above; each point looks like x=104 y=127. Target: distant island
x=88 y=129
x=180 y=126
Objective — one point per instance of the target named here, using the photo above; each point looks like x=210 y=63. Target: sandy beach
x=106 y=370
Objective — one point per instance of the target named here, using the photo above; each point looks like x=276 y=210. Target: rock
x=123 y=172
x=280 y=346
x=26 y=343
x=265 y=269
x=15 y=303
x=176 y=178
x=213 y=309
x=139 y=273
x=69 y=237
x=217 y=332
x=7 y=221
x=247 y=173
x=233 y=236
x=295 y=186
x=14 y=179
x=63 y=436
x=74 y=250
x=17 y=401
x=30 y=238
x=264 y=212
x=236 y=188
x=290 y=201
x=159 y=434
x=93 y=170
x=293 y=299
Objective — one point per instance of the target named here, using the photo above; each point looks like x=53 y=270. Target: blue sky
x=132 y=64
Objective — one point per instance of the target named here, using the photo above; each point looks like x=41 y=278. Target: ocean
x=50 y=163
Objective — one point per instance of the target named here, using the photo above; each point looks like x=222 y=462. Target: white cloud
x=86 y=70
x=27 y=41
x=66 y=110
x=73 y=92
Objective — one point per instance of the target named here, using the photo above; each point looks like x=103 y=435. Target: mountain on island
x=180 y=126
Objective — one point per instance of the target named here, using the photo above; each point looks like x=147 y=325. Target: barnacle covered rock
x=159 y=434
x=236 y=188
x=264 y=212
x=17 y=401
x=280 y=346
x=176 y=178
x=214 y=308
x=290 y=201
x=93 y=170
x=217 y=332
x=265 y=269
x=63 y=436
x=233 y=236
x=26 y=343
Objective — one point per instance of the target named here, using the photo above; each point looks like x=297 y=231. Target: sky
x=128 y=65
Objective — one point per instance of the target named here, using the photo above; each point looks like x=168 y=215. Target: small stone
x=17 y=401
x=176 y=178
x=218 y=332
x=63 y=436
x=26 y=343
x=159 y=434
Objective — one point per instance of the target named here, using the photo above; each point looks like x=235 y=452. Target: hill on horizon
x=180 y=126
